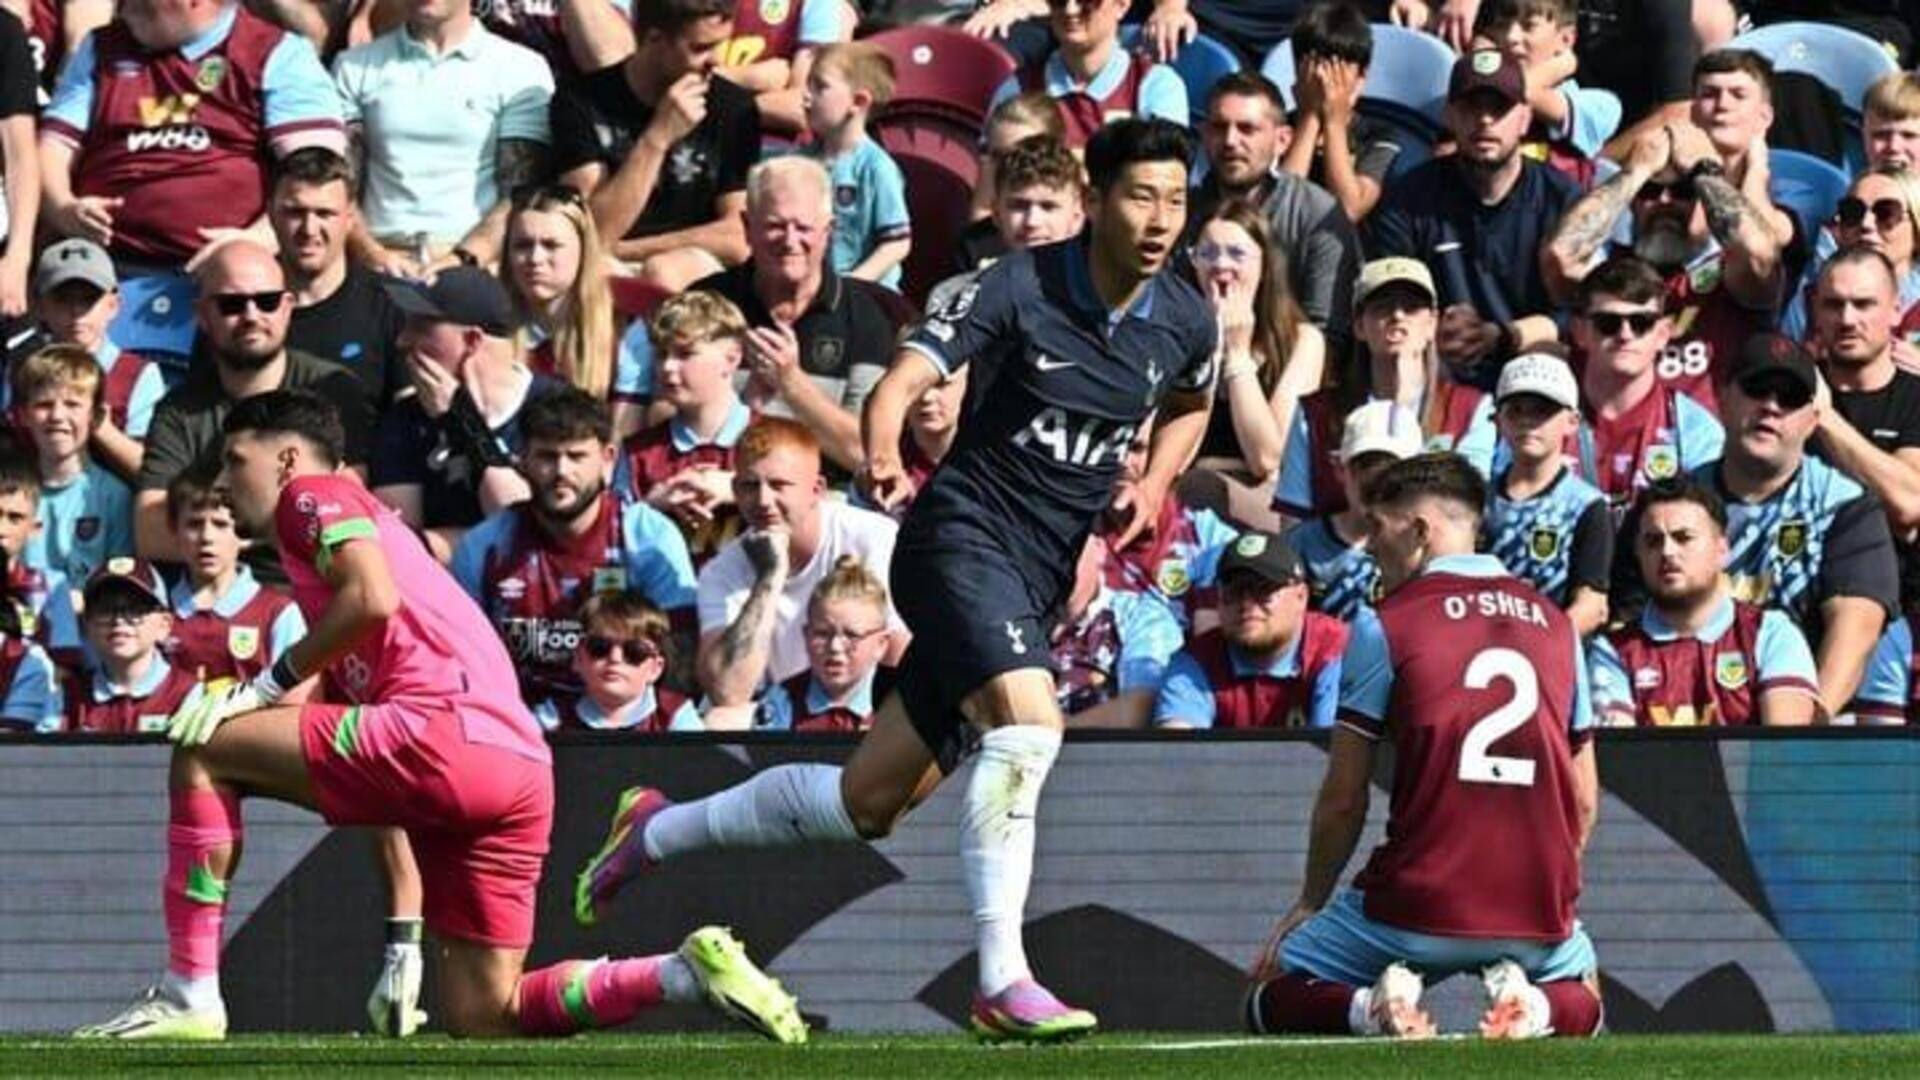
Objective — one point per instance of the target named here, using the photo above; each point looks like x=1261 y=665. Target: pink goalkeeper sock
x=202 y=822
x=574 y=995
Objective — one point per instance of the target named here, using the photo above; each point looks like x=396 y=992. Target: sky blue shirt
x=869 y=207
x=433 y=125
x=294 y=88
x=1366 y=684
x=33 y=701
x=83 y=523
x=1186 y=695
x=1780 y=652
x=776 y=710
x=1162 y=94
x=1593 y=115
x=685 y=718
x=657 y=564
x=288 y=627
x=1342 y=578
x=1887 y=684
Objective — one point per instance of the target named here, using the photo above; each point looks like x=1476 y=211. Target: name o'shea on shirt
x=1494 y=604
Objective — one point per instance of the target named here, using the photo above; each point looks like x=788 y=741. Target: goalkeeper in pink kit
x=437 y=741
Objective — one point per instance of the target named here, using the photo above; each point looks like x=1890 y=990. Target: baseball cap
x=1381 y=273
x=1487 y=69
x=1265 y=555
x=1380 y=427
x=1768 y=354
x=135 y=575
x=1541 y=374
x=464 y=295
x=74 y=260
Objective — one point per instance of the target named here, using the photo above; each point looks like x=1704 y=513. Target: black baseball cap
x=463 y=295
x=1265 y=555
x=1766 y=354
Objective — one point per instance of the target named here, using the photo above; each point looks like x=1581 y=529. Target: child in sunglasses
x=624 y=648
x=846 y=636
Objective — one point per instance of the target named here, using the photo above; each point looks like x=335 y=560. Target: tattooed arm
x=1586 y=225
x=732 y=660
x=519 y=163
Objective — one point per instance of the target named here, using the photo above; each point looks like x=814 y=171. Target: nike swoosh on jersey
x=1043 y=364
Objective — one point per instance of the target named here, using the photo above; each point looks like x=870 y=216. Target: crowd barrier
x=1752 y=882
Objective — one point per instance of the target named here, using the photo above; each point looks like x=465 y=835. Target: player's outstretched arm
x=1338 y=815
x=913 y=373
x=1586 y=790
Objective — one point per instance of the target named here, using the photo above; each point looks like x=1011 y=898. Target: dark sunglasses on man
x=235 y=304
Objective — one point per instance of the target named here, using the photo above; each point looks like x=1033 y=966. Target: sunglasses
x=1680 y=191
x=1608 y=323
x=527 y=194
x=1787 y=393
x=632 y=651
x=232 y=304
x=1887 y=213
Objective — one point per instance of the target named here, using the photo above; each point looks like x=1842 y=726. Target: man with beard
x=1478 y=218
x=1870 y=420
x=340 y=313
x=1271 y=663
x=1711 y=240
x=1696 y=656
x=531 y=567
x=1802 y=536
x=1245 y=132
x=243 y=312
x=1479 y=684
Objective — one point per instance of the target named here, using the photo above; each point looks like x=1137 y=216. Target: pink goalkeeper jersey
x=437 y=650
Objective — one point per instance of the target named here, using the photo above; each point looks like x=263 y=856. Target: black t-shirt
x=979 y=245
x=414 y=450
x=1889 y=416
x=359 y=329
x=1642 y=50
x=846 y=335
x=596 y=119
x=18 y=91
x=1486 y=256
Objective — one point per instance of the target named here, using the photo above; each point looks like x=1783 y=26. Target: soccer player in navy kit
x=1073 y=347
x=1478 y=681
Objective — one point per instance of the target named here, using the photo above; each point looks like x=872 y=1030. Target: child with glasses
x=131 y=688
x=846 y=636
x=625 y=646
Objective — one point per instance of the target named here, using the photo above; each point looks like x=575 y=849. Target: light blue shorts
x=1343 y=945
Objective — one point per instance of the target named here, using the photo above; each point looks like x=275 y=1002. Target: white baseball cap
x=1380 y=427
x=1541 y=374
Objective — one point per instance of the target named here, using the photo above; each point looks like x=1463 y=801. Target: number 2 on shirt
x=1477 y=766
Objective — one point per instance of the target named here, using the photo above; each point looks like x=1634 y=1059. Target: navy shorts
x=973 y=618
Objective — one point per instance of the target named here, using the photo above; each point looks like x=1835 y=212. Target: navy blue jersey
x=1559 y=539
x=1058 y=388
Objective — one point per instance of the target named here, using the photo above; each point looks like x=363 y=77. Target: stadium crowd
x=600 y=287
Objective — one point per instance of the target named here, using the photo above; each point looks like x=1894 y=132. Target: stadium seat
x=156 y=314
x=1806 y=185
x=1199 y=65
x=938 y=158
x=634 y=298
x=1843 y=59
x=943 y=72
x=1409 y=71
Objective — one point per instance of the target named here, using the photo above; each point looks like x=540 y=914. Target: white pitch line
x=1291 y=1044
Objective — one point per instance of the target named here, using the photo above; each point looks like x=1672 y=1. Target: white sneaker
x=394 y=1005
x=1394 y=1005
x=160 y=1013
x=1516 y=1009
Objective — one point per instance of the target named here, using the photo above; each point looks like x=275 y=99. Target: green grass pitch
x=1169 y=1055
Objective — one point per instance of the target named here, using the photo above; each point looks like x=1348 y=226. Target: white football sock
x=777 y=807
x=677 y=983
x=996 y=843
x=200 y=994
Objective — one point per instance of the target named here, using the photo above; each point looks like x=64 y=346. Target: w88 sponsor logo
x=1684 y=360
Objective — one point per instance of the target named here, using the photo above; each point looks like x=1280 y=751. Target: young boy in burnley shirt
x=624 y=648
x=846 y=638
x=225 y=623
x=131 y=687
